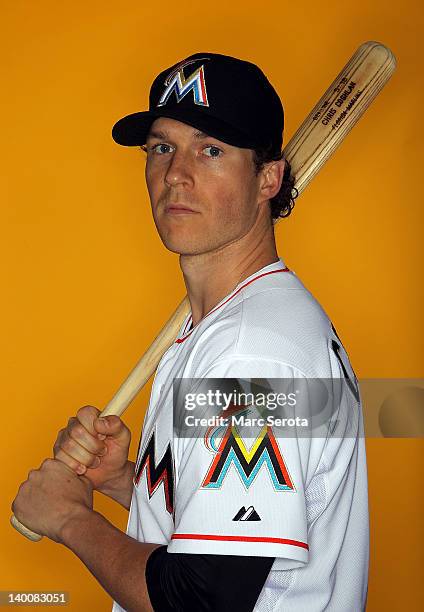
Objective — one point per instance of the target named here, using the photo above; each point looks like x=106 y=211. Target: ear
x=271 y=179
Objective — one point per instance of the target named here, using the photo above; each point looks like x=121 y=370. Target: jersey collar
x=276 y=267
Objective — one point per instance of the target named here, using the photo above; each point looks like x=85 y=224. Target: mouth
x=178 y=209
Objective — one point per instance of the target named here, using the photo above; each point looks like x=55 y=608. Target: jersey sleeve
x=242 y=492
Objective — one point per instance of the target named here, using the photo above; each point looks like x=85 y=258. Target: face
x=204 y=193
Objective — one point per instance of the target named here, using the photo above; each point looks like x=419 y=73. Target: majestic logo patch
x=232 y=450
x=178 y=83
x=162 y=473
x=247 y=515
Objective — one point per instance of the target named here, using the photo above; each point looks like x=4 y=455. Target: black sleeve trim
x=205 y=583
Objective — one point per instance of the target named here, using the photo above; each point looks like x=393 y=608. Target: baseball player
x=221 y=517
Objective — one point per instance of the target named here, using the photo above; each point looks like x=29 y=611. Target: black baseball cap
x=227 y=98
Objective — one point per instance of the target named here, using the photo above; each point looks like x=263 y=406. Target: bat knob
x=31 y=535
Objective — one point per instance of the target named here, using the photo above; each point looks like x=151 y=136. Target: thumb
x=112 y=426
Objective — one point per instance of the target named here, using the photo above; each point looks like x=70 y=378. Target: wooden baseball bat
x=328 y=123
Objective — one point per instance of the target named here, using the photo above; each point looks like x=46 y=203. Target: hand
x=95 y=447
x=52 y=496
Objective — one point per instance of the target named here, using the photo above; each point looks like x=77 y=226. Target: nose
x=179 y=171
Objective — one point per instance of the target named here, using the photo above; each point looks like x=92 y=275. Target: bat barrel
x=338 y=110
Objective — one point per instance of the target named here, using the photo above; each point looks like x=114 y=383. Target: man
x=219 y=521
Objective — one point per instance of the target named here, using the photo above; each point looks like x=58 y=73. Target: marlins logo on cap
x=225 y=97
x=178 y=83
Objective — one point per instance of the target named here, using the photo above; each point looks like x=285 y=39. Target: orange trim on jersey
x=230 y=538
x=278 y=454
x=217 y=456
x=179 y=340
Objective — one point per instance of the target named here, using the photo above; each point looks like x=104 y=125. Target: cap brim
x=133 y=129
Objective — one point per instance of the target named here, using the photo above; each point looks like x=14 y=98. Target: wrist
x=120 y=486
x=75 y=526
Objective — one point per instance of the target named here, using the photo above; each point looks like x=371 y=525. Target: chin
x=180 y=249
x=178 y=240
x=184 y=245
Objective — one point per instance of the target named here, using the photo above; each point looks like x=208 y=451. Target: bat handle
x=133 y=384
x=31 y=535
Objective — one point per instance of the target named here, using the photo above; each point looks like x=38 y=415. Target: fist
x=94 y=447
x=51 y=497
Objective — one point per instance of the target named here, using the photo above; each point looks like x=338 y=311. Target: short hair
x=283 y=202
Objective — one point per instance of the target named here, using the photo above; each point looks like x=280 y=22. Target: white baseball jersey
x=300 y=499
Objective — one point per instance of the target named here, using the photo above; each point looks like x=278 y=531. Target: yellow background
x=87 y=283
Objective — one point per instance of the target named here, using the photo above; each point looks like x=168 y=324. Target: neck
x=209 y=277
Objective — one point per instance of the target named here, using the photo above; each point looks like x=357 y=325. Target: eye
x=212 y=151
x=161 y=149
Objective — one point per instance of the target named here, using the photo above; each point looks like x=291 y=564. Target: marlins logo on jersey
x=157 y=473
x=248 y=462
x=179 y=84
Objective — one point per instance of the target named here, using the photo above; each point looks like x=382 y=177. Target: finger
x=91 y=443
x=59 y=440
x=113 y=426
x=86 y=415
x=50 y=467
x=77 y=452
x=32 y=474
x=72 y=463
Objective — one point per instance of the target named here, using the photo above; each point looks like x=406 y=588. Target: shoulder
x=276 y=320
x=286 y=322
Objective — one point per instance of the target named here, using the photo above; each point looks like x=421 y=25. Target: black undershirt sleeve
x=205 y=583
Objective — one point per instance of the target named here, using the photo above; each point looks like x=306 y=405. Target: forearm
x=120 y=489
x=117 y=561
